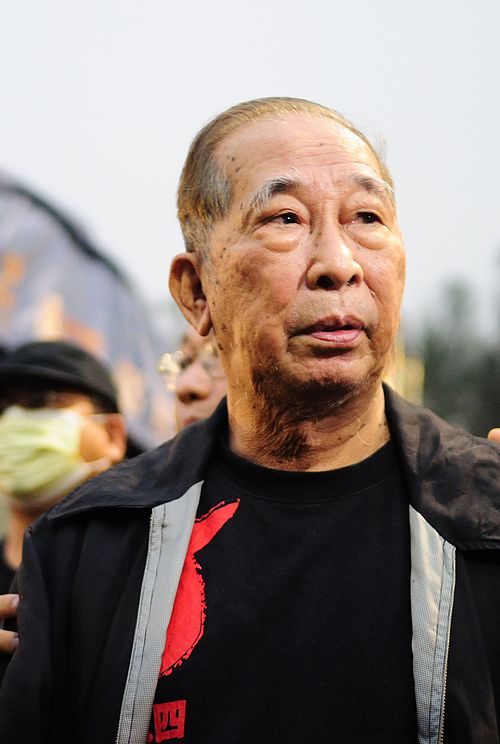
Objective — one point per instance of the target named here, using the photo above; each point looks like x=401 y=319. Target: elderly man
x=318 y=561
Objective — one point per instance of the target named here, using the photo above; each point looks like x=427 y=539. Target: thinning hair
x=205 y=190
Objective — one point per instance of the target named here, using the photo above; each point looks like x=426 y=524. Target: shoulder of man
x=453 y=477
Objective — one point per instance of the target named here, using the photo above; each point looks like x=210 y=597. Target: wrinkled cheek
x=262 y=290
x=255 y=288
x=387 y=331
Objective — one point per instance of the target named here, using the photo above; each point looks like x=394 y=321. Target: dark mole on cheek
x=244 y=273
x=223 y=327
x=220 y=347
x=233 y=158
x=321 y=144
x=236 y=170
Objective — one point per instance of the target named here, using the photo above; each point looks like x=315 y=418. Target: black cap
x=60 y=361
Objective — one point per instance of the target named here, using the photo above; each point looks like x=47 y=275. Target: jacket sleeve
x=25 y=694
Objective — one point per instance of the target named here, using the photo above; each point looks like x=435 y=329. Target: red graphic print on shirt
x=169 y=720
x=189 y=612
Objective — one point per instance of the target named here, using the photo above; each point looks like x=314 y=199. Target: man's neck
x=349 y=433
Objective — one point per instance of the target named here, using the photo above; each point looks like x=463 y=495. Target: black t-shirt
x=292 y=620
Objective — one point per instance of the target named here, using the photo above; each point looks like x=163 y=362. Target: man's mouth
x=336 y=330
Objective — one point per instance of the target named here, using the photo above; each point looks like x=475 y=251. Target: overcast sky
x=100 y=99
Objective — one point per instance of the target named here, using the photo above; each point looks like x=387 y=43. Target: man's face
x=306 y=273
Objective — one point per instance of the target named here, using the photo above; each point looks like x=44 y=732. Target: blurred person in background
x=196 y=374
x=59 y=425
x=200 y=384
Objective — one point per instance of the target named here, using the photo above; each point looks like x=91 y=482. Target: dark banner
x=54 y=284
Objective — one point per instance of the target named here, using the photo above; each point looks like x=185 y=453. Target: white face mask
x=40 y=457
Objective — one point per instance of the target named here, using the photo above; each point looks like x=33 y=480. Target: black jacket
x=86 y=662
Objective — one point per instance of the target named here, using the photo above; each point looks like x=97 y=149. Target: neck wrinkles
x=288 y=439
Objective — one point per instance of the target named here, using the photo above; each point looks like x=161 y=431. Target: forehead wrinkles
x=290 y=143
x=247 y=163
x=288 y=131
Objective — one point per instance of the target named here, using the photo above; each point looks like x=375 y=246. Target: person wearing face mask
x=59 y=425
x=200 y=384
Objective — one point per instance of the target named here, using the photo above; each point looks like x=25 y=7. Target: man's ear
x=187 y=290
x=117 y=437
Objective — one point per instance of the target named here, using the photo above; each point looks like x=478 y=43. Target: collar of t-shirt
x=286 y=485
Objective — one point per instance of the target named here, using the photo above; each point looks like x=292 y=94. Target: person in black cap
x=59 y=425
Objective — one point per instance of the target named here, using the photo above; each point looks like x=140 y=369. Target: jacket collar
x=452 y=477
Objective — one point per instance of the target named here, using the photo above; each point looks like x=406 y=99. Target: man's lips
x=339 y=336
x=335 y=330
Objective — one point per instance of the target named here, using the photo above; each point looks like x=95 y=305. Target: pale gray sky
x=100 y=99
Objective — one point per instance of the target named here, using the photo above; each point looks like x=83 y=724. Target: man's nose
x=193 y=383
x=332 y=263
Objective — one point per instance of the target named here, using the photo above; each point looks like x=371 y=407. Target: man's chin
x=311 y=392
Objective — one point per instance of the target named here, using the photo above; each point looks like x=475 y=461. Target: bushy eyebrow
x=265 y=192
x=376 y=186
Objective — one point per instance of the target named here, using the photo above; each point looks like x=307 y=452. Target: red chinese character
x=169 y=720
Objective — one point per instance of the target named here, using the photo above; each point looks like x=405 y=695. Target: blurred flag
x=55 y=284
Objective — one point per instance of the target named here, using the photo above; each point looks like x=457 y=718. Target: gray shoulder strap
x=432 y=592
x=170 y=531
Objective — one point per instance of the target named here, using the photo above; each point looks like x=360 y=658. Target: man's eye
x=367 y=218
x=185 y=362
x=287 y=218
